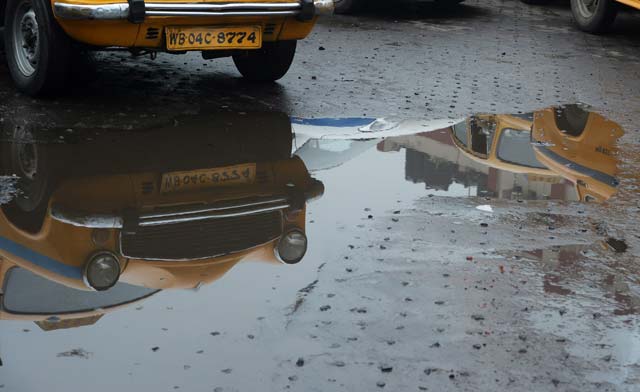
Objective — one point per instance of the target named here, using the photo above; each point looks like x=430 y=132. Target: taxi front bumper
x=136 y=11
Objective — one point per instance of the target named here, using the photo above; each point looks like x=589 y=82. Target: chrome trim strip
x=88 y=11
x=221 y=6
x=221 y=13
x=93 y=221
x=117 y=11
x=209 y=215
x=219 y=207
x=176 y=215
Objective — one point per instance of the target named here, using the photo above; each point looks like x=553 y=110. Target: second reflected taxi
x=171 y=207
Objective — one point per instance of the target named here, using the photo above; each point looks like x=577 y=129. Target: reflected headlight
x=292 y=247
x=102 y=271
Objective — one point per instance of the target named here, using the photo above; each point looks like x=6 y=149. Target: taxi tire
x=602 y=18
x=28 y=213
x=55 y=49
x=267 y=64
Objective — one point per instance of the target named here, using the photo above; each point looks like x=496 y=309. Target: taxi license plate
x=208 y=178
x=210 y=38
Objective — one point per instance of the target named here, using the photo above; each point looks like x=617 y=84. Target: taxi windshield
x=28 y=293
x=460 y=132
x=515 y=147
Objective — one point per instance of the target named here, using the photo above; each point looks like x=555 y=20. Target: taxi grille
x=201 y=239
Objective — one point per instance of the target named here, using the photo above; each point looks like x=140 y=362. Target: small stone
x=380 y=384
x=324 y=308
x=300 y=362
x=154 y=349
x=227 y=370
x=386 y=368
x=477 y=346
x=338 y=363
x=321 y=48
x=435 y=345
x=477 y=317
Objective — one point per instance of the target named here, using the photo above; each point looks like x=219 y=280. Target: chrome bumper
x=304 y=8
x=171 y=215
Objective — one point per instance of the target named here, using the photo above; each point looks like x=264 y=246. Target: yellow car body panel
x=591 y=154
x=631 y=3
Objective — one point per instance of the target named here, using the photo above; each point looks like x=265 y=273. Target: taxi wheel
x=594 y=16
x=37 y=49
x=267 y=64
x=26 y=159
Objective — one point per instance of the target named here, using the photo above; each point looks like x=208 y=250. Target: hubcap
x=587 y=8
x=26 y=42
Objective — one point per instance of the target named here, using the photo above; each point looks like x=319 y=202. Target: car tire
x=27 y=160
x=594 y=16
x=38 y=51
x=267 y=64
x=345 y=7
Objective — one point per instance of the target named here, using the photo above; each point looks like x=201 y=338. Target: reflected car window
x=515 y=147
x=28 y=293
x=460 y=132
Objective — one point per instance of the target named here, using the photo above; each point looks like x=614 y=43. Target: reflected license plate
x=211 y=38
x=208 y=178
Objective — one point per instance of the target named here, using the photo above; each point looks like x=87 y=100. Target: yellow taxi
x=501 y=141
x=173 y=207
x=566 y=142
x=41 y=36
x=595 y=16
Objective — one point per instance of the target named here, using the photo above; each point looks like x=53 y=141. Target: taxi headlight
x=102 y=271
x=292 y=247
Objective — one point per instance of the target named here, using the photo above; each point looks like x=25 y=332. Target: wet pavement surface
x=430 y=200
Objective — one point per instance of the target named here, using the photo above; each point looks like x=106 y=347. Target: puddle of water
x=236 y=195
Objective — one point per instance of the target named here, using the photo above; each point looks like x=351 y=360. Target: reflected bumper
x=175 y=215
x=136 y=10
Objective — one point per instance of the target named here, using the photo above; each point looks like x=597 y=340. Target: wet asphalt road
x=407 y=285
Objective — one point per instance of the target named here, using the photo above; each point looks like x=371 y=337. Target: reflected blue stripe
x=40 y=260
x=587 y=171
x=334 y=122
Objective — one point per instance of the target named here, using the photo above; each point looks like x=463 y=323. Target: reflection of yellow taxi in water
x=565 y=142
x=41 y=36
x=500 y=141
x=175 y=207
x=51 y=305
x=579 y=145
